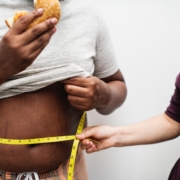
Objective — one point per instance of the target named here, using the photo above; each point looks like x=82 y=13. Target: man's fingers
x=75 y=90
x=41 y=41
x=36 y=32
x=77 y=100
x=35 y=53
x=23 y=22
x=80 y=103
x=77 y=81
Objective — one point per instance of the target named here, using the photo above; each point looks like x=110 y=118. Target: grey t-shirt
x=81 y=46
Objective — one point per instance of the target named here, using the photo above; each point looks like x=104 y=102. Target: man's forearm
x=158 y=129
x=113 y=97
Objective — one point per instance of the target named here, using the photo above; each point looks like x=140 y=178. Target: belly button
x=33 y=145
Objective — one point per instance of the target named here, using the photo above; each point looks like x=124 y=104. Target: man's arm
x=93 y=93
x=20 y=47
x=115 y=94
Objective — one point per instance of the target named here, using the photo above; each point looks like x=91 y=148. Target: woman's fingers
x=89 y=146
x=86 y=133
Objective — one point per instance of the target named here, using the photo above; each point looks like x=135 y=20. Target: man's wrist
x=105 y=95
x=3 y=77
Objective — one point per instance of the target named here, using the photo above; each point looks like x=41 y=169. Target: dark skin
x=19 y=48
x=52 y=111
x=104 y=95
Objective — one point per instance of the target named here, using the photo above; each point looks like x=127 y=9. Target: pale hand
x=96 y=138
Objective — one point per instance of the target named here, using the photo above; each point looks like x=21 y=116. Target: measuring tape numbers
x=52 y=140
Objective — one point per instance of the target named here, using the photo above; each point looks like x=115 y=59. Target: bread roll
x=52 y=8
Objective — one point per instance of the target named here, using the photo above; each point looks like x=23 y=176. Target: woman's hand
x=86 y=93
x=97 y=138
x=154 y=130
x=20 y=47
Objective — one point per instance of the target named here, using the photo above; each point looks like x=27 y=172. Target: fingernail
x=40 y=10
x=54 y=20
x=53 y=30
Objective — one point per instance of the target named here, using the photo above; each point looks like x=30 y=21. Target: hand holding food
x=26 y=39
x=51 y=8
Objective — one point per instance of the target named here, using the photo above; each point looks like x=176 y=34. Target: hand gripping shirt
x=81 y=47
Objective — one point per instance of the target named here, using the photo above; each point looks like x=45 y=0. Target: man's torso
x=43 y=113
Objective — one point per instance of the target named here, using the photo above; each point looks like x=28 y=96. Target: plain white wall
x=146 y=37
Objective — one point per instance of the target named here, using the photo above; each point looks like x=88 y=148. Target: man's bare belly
x=42 y=113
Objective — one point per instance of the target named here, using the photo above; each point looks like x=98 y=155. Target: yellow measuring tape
x=51 y=140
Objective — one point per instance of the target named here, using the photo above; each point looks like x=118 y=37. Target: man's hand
x=86 y=93
x=20 y=47
x=105 y=95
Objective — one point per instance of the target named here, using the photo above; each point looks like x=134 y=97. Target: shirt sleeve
x=105 y=59
x=173 y=110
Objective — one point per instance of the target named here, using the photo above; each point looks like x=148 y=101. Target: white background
x=146 y=38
